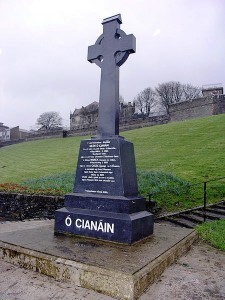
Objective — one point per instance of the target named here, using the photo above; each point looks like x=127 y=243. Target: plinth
x=105 y=203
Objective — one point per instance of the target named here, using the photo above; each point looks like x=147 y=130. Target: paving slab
x=120 y=271
x=198 y=274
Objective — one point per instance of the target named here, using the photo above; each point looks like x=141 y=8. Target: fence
x=187 y=197
x=20 y=207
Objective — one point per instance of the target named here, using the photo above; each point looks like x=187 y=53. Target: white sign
x=91 y=225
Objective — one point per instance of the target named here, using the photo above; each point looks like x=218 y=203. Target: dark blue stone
x=127 y=228
x=105 y=189
x=109 y=52
x=106 y=166
x=118 y=204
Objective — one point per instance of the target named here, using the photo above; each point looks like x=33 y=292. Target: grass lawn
x=214 y=233
x=189 y=151
x=38 y=158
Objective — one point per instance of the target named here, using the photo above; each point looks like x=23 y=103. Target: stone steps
x=191 y=218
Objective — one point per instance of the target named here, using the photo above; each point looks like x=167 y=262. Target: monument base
x=120 y=271
x=104 y=204
x=129 y=226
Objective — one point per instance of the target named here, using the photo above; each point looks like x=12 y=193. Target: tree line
x=164 y=95
x=147 y=101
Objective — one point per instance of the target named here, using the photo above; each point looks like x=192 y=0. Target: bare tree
x=165 y=95
x=173 y=92
x=146 y=100
x=121 y=99
x=191 y=92
x=139 y=103
x=177 y=91
x=49 y=120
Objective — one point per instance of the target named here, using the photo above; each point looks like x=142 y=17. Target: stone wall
x=8 y=143
x=197 y=108
x=146 y=122
x=16 y=133
x=128 y=125
x=221 y=104
x=20 y=207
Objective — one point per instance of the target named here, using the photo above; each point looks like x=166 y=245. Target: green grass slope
x=38 y=158
x=190 y=150
x=213 y=232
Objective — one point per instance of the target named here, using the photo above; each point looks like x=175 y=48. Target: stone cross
x=110 y=51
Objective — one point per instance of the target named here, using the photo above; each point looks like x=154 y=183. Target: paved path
x=200 y=274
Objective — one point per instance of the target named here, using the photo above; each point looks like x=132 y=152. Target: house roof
x=89 y=108
x=76 y=111
x=92 y=106
x=3 y=126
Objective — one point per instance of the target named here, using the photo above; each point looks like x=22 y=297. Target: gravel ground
x=200 y=274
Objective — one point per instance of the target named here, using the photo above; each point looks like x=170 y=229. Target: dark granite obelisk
x=105 y=203
x=110 y=51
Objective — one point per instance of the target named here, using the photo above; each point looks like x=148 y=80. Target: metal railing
x=205 y=193
x=202 y=193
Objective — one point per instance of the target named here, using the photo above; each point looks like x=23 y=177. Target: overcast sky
x=43 y=51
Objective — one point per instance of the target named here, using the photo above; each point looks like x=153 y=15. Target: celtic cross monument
x=105 y=203
x=110 y=51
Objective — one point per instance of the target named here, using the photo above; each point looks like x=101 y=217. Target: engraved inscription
x=90 y=225
x=98 y=162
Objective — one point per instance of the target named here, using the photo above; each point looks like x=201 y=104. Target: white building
x=4 y=132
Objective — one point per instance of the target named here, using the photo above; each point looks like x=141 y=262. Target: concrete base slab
x=120 y=271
